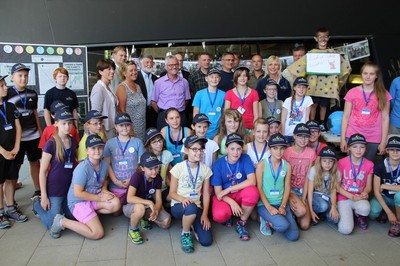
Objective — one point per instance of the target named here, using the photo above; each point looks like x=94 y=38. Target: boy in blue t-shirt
x=210 y=101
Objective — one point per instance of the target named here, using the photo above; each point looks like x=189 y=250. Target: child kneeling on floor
x=144 y=201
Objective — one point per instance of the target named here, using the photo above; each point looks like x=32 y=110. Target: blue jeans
x=321 y=205
x=205 y=236
x=280 y=223
x=57 y=205
x=376 y=207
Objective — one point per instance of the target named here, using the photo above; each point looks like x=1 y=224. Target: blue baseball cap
x=93 y=141
x=234 y=137
x=63 y=115
x=122 y=118
x=277 y=140
x=57 y=105
x=149 y=160
x=17 y=67
x=94 y=114
x=3 y=77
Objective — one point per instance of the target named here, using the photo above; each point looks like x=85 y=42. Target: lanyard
x=95 y=172
x=120 y=146
x=262 y=153
x=68 y=151
x=145 y=186
x=326 y=184
x=365 y=96
x=192 y=178
x=353 y=169
x=161 y=165
x=272 y=110
x=5 y=112
x=212 y=101
x=23 y=100
x=240 y=96
x=297 y=108
x=229 y=167
x=176 y=142
x=275 y=176
x=316 y=147
x=393 y=177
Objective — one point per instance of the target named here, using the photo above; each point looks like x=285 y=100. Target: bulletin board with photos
x=43 y=59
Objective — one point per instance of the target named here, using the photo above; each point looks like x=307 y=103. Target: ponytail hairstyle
x=379 y=87
x=333 y=175
x=231 y=113
x=60 y=154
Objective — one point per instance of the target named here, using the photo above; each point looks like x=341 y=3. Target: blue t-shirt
x=395 y=103
x=203 y=100
x=123 y=163
x=84 y=175
x=226 y=177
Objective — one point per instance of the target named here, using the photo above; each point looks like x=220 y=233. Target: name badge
x=151 y=191
x=8 y=127
x=123 y=162
x=325 y=197
x=239 y=175
x=391 y=192
x=176 y=155
x=365 y=112
x=278 y=111
x=241 y=110
x=212 y=113
x=25 y=113
x=193 y=195
x=274 y=192
x=68 y=165
x=353 y=189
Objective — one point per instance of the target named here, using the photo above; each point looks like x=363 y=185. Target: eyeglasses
x=323 y=37
x=96 y=124
x=157 y=142
x=229 y=60
x=195 y=150
x=173 y=65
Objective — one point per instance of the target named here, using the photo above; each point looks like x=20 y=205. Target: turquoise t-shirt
x=273 y=190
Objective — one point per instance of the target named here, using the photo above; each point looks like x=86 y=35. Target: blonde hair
x=271 y=59
x=60 y=154
x=333 y=174
x=379 y=87
x=122 y=69
x=231 y=113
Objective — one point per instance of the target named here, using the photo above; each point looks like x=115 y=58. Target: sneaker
x=146 y=224
x=34 y=200
x=135 y=236
x=394 y=230
x=56 y=227
x=242 y=230
x=36 y=193
x=382 y=218
x=186 y=242
x=362 y=222
x=4 y=222
x=322 y=128
x=228 y=223
x=265 y=229
x=15 y=215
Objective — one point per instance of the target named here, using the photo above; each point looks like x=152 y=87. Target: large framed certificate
x=322 y=64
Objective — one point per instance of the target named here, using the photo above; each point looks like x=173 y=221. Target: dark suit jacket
x=142 y=83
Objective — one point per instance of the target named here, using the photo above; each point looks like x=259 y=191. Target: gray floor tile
x=354 y=259
x=55 y=255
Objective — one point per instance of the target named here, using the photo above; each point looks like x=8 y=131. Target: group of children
x=277 y=171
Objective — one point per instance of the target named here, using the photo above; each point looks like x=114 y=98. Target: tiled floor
x=30 y=244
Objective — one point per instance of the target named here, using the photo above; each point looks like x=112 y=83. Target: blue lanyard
x=326 y=184
x=316 y=147
x=192 y=178
x=68 y=151
x=176 y=142
x=365 y=96
x=145 y=186
x=391 y=171
x=272 y=110
x=262 y=153
x=297 y=108
x=120 y=146
x=5 y=112
x=275 y=176
x=212 y=101
x=23 y=100
x=353 y=169
x=240 y=96
x=229 y=167
x=95 y=172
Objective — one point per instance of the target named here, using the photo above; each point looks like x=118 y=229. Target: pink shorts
x=119 y=192
x=85 y=211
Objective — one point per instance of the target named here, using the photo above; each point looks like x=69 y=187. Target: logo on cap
x=94 y=139
x=329 y=151
x=394 y=141
x=277 y=138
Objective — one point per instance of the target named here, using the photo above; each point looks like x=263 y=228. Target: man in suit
x=146 y=81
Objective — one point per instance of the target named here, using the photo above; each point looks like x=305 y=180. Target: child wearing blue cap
x=385 y=205
x=273 y=183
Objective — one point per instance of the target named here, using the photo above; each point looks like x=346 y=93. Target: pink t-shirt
x=300 y=162
x=248 y=116
x=347 y=180
x=369 y=125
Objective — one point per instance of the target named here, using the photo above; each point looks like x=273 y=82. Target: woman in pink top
x=366 y=111
x=243 y=98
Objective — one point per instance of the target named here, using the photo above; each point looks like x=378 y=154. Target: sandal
x=394 y=230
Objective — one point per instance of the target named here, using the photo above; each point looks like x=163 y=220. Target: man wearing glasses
x=228 y=61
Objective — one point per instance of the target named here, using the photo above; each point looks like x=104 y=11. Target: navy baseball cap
x=56 y=106
x=242 y=68
x=393 y=143
x=300 y=80
x=200 y=118
x=18 y=67
x=277 y=140
x=213 y=71
x=312 y=124
x=3 y=77
x=272 y=119
x=301 y=129
x=94 y=114
x=271 y=82
x=234 y=137
x=193 y=138
x=149 y=160
x=356 y=138
x=93 y=141
x=122 y=118
x=151 y=133
x=328 y=152
x=63 y=115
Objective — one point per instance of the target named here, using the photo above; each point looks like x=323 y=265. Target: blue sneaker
x=228 y=223
x=14 y=214
x=186 y=242
x=265 y=229
x=4 y=222
x=242 y=230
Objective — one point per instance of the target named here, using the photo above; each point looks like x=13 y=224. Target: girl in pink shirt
x=366 y=111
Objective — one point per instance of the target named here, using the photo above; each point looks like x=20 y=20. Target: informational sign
x=43 y=59
x=323 y=64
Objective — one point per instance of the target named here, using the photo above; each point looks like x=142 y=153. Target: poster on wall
x=43 y=59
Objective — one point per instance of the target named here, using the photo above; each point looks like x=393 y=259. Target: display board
x=43 y=59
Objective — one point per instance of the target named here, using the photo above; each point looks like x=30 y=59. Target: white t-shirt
x=293 y=118
x=210 y=148
x=250 y=151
